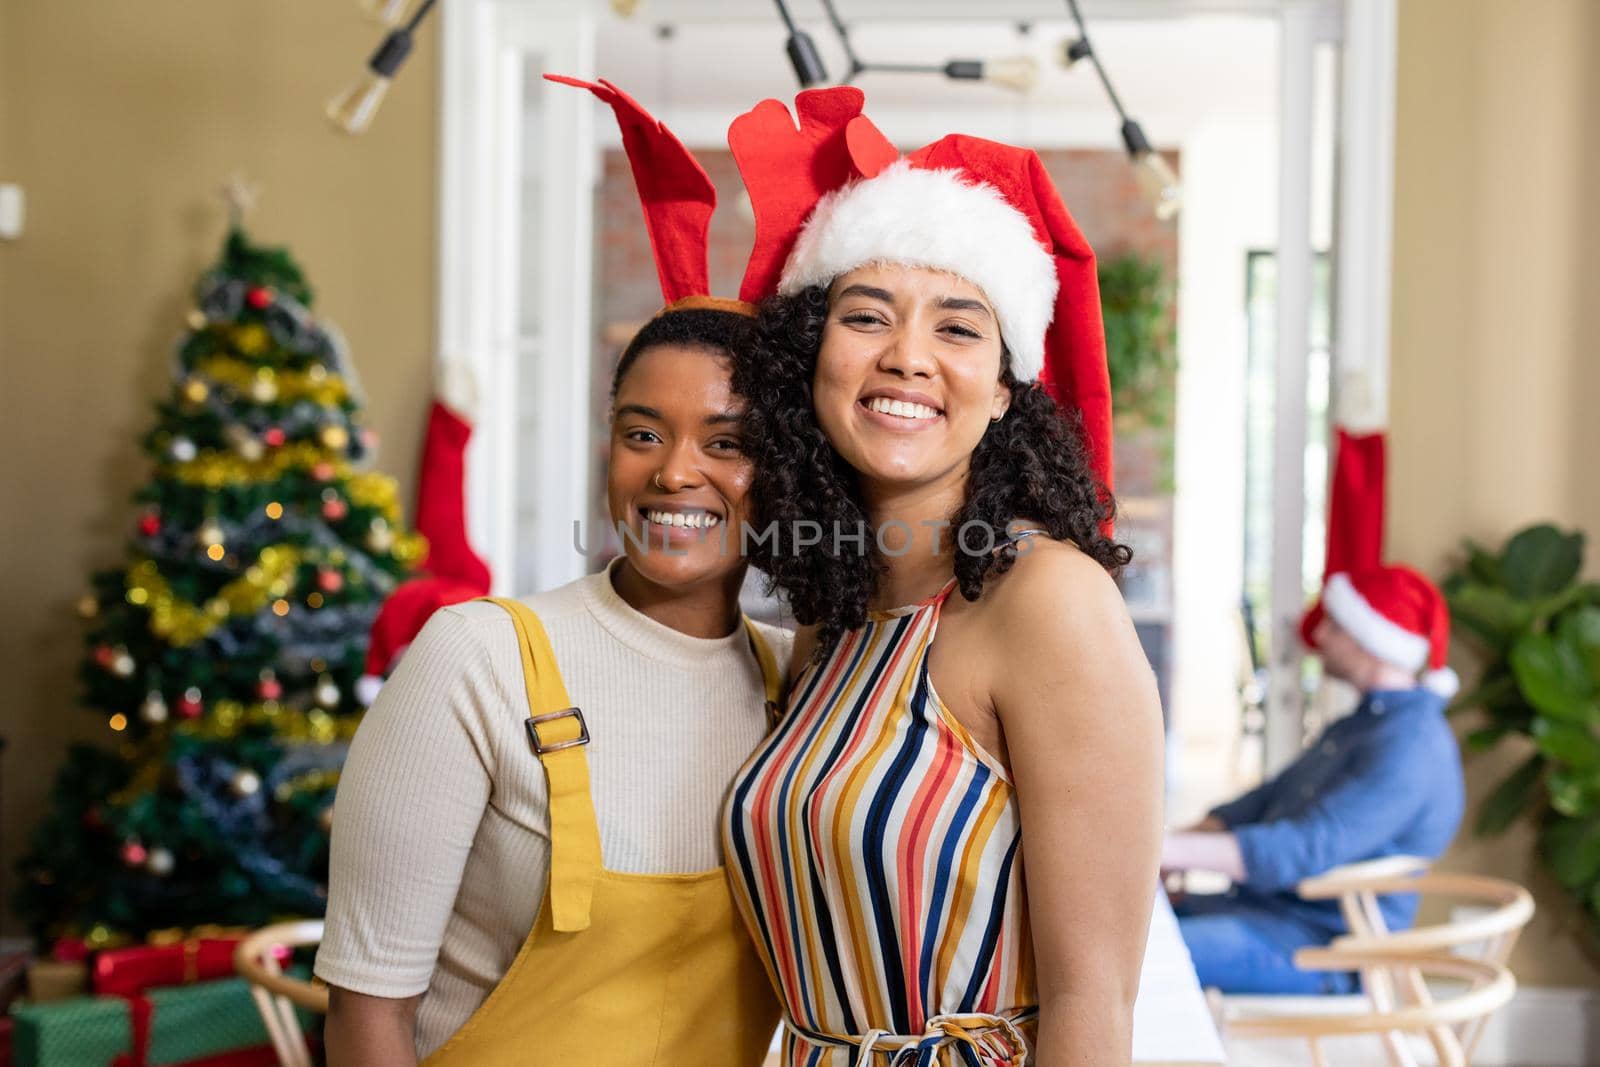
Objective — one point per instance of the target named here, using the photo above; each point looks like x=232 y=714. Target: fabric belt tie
x=989 y=1035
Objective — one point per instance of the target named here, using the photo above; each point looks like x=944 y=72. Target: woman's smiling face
x=908 y=375
x=679 y=480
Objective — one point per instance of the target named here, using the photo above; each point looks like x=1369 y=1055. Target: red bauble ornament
x=103 y=655
x=270 y=689
x=260 y=297
x=150 y=523
x=275 y=437
x=322 y=472
x=334 y=510
x=330 y=581
x=189 y=705
x=133 y=853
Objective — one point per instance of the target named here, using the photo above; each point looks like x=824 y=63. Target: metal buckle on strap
x=540 y=747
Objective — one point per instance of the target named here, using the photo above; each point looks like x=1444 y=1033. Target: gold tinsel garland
x=215 y=469
x=316 y=385
x=227 y=719
x=181 y=623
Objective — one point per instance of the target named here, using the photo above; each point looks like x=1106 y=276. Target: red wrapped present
x=202 y=957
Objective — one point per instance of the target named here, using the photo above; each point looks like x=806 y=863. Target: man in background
x=1383 y=781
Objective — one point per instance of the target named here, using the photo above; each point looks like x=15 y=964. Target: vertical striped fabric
x=876 y=853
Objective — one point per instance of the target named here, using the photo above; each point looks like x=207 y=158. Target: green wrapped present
x=81 y=1032
x=193 y=1021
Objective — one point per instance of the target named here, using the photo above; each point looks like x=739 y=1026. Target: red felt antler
x=676 y=193
x=788 y=165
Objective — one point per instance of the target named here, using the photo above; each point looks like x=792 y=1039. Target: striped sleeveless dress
x=875 y=853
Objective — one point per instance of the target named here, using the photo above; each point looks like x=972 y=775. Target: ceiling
x=1171 y=73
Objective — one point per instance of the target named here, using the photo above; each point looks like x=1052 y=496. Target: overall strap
x=771 y=674
x=558 y=735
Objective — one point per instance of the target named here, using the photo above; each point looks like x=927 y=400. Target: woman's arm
x=1078 y=703
x=366 y=1031
x=411 y=796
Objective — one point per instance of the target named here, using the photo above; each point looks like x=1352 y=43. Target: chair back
x=1489 y=934
x=277 y=994
x=1488 y=988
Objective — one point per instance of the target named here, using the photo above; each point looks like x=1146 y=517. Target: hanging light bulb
x=352 y=110
x=1155 y=175
x=803 y=54
x=1010 y=72
x=1073 y=51
x=388 y=12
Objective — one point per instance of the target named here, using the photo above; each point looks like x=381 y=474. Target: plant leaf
x=1483 y=566
x=1572 y=745
x=1552 y=676
x=1509 y=798
x=1580 y=628
x=1573 y=793
x=1493 y=614
x=1541 y=560
x=1495 y=687
x=1486 y=737
x=1572 y=848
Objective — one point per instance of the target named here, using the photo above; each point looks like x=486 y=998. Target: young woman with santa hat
x=947 y=851
x=525 y=863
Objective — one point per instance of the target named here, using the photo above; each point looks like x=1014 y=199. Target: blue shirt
x=1383 y=781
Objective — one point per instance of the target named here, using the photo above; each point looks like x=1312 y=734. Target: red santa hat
x=1355 y=513
x=989 y=213
x=1398 y=616
x=1393 y=612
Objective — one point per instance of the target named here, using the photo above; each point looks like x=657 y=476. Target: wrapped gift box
x=192 y=1022
x=81 y=1032
x=126 y=972
x=209 y=1024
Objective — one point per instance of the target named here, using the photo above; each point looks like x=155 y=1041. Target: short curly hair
x=712 y=329
x=1030 y=466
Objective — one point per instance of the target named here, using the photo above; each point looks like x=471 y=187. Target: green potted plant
x=1537 y=626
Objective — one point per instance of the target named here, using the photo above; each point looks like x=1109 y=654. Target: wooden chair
x=276 y=994
x=1488 y=988
x=1395 y=987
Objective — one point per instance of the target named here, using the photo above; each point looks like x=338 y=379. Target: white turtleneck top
x=441 y=834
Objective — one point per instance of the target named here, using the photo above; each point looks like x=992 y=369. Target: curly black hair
x=718 y=332
x=1030 y=466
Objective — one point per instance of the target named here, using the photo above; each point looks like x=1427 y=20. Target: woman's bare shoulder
x=1051 y=579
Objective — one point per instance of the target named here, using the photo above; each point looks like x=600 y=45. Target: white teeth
x=904 y=409
x=695 y=520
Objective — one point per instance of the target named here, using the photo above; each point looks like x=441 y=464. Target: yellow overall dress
x=619 y=969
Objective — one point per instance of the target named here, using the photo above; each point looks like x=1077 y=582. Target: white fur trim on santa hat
x=1443 y=681
x=941 y=220
x=1372 y=630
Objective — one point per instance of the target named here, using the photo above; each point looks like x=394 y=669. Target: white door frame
x=1360 y=363
x=521 y=471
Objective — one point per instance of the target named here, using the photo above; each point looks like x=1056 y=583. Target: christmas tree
x=224 y=653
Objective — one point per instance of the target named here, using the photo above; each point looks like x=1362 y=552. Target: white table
x=1172 y=1025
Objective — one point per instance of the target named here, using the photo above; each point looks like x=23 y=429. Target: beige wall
x=121 y=120
x=1496 y=366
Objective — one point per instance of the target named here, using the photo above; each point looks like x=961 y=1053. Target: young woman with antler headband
x=523 y=800
x=947 y=850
